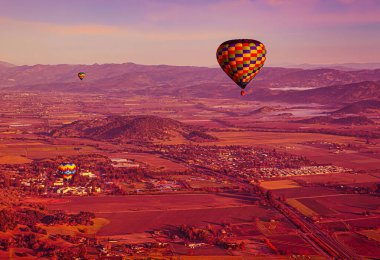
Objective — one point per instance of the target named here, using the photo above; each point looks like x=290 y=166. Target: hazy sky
x=187 y=32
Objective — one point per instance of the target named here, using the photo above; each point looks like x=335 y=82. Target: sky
x=187 y=32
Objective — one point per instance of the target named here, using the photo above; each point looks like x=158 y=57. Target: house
x=58 y=182
x=88 y=174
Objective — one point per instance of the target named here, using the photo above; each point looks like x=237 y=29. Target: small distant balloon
x=243 y=93
x=81 y=75
x=67 y=170
x=241 y=59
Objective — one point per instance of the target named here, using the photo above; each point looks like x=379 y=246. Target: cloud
x=81 y=29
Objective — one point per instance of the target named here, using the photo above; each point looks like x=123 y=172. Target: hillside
x=168 y=80
x=263 y=110
x=327 y=95
x=359 y=107
x=351 y=120
x=4 y=64
x=133 y=129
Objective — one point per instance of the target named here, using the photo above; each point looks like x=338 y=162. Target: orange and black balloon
x=241 y=60
x=81 y=75
x=67 y=170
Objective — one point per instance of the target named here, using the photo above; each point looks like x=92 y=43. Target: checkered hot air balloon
x=241 y=59
x=67 y=170
x=81 y=75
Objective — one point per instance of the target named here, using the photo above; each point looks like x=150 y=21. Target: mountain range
x=290 y=85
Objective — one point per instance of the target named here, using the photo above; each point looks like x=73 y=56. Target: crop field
x=292 y=244
x=137 y=214
x=317 y=207
x=245 y=137
x=156 y=161
x=279 y=184
x=351 y=205
x=346 y=224
x=301 y=207
x=371 y=234
x=303 y=192
x=74 y=230
x=360 y=245
x=14 y=159
x=339 y=178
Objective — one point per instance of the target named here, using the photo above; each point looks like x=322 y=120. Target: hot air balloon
x=81 y=75
x=241 y=59
x=67 y=170
x=243 y=93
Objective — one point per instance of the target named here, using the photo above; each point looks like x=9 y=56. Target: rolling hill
x=133 y=129
x=359 y=107
x=327 y=95
x=272 y=84
x=351 y=120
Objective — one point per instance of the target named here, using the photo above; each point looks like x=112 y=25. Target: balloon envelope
x=67 y=170
x=241 y=59
x=81 y=75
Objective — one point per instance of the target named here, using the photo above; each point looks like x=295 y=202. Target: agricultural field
x=279 y=184
x=339 y=179
x=371 y=234
x=156 y=162
x=149 y=212
x=360 y=245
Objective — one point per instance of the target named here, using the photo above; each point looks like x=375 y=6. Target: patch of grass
x=371 y=234
x=279 y=184
x=301 y=207
x=79 y=229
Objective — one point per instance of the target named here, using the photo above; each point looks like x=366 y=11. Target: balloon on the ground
x=67 y=170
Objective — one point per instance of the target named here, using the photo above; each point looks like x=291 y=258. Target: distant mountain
x=263 y=110
x=338 y=66
x=130 y=78
x=133 y=129
x=351 y=120
x=327 y=95
x=4 y=64
x=359 y=107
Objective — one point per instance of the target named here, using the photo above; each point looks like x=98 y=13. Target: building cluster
x=125 y=163
x=305 y=170
x=247 y=162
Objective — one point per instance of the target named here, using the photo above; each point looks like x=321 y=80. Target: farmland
x=226 y=189
x=280 y=184
x=149 y=212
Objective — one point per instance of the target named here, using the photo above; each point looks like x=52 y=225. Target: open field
x=339 y=178
x=148 y=212
x=371 y=234
x=317 y=207
x=246 y=137
x=302 y=192
x=301 y=207
x=78 y=229
x=156 y=162
x=351 y=205
x=280 y=184
x=143 y=221
x=359 y=244
x=9 y=159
